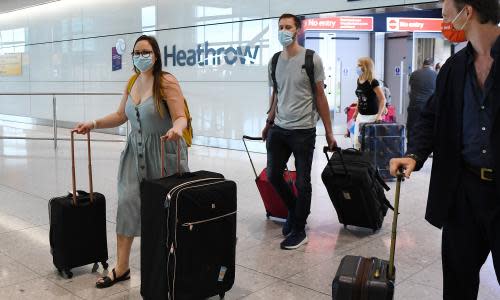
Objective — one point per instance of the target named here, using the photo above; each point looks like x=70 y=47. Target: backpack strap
x=131 y=82
x=309 y=66
x=274 y=63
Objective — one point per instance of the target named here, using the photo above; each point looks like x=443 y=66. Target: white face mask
x=285 y=38
x=359 y=71
x=143 y=63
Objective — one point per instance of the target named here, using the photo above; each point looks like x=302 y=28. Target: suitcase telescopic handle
x=162 y=142
x=246 y=137
x=338 y=150
x=73 y=175
x=400 y=178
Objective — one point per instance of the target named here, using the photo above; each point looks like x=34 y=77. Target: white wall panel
x=14 y=105
x=69 y=108
x=99 y=106
x=97 y=59
x=62 y=61
x=41 y=107
x=408 y=2
x=15 y=19
x=59 y=21
x=106 y=17
x=184 y=13
x=227 y=110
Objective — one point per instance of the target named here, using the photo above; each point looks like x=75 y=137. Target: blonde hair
x=367 y=66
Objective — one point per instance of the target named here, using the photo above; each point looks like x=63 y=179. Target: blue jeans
x=281 y=143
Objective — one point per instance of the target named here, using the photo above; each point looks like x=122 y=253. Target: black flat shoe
x=107 y=281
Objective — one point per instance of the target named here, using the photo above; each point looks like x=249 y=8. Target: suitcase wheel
x=268 y=214
x=345 y=226
x=105 y=265
x=222 y=295
x=95 y=267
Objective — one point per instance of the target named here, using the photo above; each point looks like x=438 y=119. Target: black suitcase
x=360 y=278
x=355 y=188
x=78 y=225
x=188 y=236
x=383 y=142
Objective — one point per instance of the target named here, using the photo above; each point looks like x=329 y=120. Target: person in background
x=155 y=108
x=422 y=84
x=461 y=125
x=371 y=99
x=291 y=127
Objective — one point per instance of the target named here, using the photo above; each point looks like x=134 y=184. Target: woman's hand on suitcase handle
x=84 y=128
x=405 y=163
x=173 y=134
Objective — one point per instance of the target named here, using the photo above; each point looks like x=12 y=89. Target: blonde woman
x=371 y=99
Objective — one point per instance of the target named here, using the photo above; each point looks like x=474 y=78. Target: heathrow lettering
x=204 y=55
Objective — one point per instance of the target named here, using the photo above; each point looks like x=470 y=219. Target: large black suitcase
x=78 y=225
x=355 y=188
x=383 y=142
x=188 y=236
x=360 y=278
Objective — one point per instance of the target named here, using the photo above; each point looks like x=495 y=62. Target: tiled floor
x=31 y=172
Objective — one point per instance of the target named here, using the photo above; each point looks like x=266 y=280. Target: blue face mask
x=359 y=71
x=143 y=63
x=285 y=37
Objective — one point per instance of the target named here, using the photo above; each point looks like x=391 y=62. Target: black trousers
x=471 y=232
x=281 y=144
x=414 y=112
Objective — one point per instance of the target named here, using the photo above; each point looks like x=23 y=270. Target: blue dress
x=141 y=159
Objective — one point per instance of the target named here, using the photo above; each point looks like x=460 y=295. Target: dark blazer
x=422 y=85
x=439 y=131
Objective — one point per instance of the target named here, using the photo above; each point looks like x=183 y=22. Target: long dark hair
x=157 y=72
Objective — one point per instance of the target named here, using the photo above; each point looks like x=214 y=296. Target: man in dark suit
x=422 y=84
x=461 y=125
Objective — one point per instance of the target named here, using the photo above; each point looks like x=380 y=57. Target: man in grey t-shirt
x=291 y=127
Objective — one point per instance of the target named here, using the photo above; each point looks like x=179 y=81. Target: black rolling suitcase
x=361 y=278
x=355 y=188
x=383 y=142
x=78 y=225
x=188 y=236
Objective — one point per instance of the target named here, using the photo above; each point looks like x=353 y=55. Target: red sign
x=339 y=23
x=414 y=24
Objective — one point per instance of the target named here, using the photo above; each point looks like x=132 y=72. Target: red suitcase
x=275 y=207
x=390 y=116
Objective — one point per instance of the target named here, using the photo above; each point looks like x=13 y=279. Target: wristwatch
x=270 y=122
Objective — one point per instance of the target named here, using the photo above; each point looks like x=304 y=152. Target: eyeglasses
x=145 y=54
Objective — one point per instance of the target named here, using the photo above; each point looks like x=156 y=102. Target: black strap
x=309 y=66
x=274 y=63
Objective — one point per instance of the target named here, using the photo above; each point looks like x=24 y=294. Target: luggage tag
x=222 y=273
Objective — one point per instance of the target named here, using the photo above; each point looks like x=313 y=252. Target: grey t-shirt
x=296 y=109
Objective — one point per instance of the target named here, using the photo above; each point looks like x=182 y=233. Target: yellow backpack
x=187 y=133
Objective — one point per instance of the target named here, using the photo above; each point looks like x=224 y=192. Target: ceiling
x=10 y=5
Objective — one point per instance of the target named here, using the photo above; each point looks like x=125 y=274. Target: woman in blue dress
x=154 y=104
